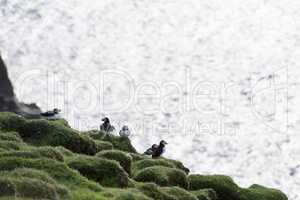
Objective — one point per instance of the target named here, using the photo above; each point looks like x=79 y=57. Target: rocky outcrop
x=8 y=100
x=41 y=159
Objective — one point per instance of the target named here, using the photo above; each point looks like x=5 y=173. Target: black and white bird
x=106 y=126
x=52 y=114
x=156 y=150
x=124 y=132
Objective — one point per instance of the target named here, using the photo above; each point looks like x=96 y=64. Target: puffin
x=124 y=132
x=106 y=126
x=156 y=150
x=52 y=114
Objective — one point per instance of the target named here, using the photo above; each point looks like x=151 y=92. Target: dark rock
x=8 y=100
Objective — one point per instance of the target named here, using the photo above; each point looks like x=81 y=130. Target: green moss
x=163 y=176
x=49 y=152
x=42 y=152
x=11 y=121
x=205 y=194
x=124 y=159
x=262 y=193
x=120 y=143
x=62 y=122
x=153 y=191
x=65 y=152
x=20 y=173
x=57 y=170
x=42 y=159
x=11 y=136
x=26 y=187
x=138 y=157
x=103 y=145
x=85 y=194
x=178 y=165
x=224 y=186
x=106 y=172
x=12 y=145
x=44 y=133
x=129 y=194
x=143 y=164
x=179 y=193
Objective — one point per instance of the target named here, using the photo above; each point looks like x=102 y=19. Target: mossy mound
x=65 y=152
x=124 y=194
x=11 y=122
x=48 y=133
x=106 y=172
x=42 y=159
x=178 y=165
x=256 y=192
x=120 y=143
x=10 y=136
x=179 y=193
x=57 y=170
x=44 y=133
x=163 y=176
x=205 y=194
x=103 y=145
x=124 y=159
x=143 y=164
x=21 y=173
x=42 y=152
x=138 y=157
x=26 y=187
x=154 y=191
x=224 y=186
x=12 y=145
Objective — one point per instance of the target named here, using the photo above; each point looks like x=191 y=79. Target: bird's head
x=56 y=110
x=163 y=143
x=105 y=120
x=125 y=128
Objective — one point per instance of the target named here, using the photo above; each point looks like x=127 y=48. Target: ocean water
x=218 y=80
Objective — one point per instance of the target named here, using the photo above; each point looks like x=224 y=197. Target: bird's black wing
x=47 y=114
x=151 y=150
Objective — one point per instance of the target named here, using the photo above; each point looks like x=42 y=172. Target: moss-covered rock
x=178 y=165
x=138 y=157
x=106 y=172
x=163 y=176
x=57 y=170
x=124 y=159
x=154 y=191
x=256 y=192
x=12 y=145
x=179 y=193
x=27 y=187
x=20 y=173
x=103 y=145
x=42 y=152
x=143 y=164
x=42 y=159
x=224 y=186
x=65 y=152
x=120 y=143
x=44 y=133
x=10 y=136
x=11 y=122
x=205 y=194
x=122 y=194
